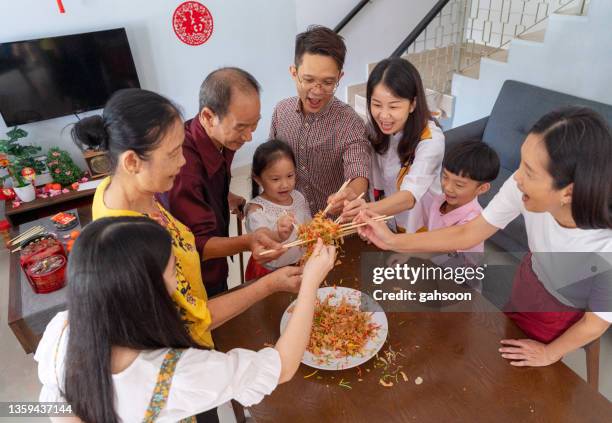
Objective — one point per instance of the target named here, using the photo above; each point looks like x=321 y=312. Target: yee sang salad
x=319 y=227
x=340 y=330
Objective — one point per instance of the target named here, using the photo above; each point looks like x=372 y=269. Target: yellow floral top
x=190 y=295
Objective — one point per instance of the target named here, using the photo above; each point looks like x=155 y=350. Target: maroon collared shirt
x=330 y=147
x=198 y=197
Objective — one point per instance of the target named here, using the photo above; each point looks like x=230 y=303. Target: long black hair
x=265 y=155
x=133 y=119
x=404 y=81
x=579 y=144
x=116 y=297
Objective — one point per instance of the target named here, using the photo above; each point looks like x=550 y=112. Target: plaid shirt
x=330 y=147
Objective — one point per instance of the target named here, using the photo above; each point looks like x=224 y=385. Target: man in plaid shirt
x=327 y=136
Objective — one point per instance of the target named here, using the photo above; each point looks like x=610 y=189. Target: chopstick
x=344 y=185
x=359 y=225
x=358 y=198
x=32 y=231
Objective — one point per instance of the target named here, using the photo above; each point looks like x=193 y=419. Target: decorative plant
x=62 y=168
x=16 y=157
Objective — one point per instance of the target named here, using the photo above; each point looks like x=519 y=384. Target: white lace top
x=268 y=215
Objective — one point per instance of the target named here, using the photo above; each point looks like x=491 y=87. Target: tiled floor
x=19 y=381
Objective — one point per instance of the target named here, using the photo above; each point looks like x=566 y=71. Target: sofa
x=517 y=108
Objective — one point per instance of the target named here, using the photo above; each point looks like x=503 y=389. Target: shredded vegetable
x=319 y=227
x=340 y=330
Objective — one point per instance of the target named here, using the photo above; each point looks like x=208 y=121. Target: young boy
x=467 y=171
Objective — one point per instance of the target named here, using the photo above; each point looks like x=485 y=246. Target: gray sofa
x=517 y=108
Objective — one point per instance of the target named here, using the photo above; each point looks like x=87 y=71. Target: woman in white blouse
x=563 y=189
x=121 y=352
x=408 y=145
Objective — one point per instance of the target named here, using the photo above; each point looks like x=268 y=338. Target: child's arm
x=293 y=342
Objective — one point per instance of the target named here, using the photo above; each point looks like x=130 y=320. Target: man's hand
x=284 y=226
x=236 y=204
x=337 y=200
x=264 y=239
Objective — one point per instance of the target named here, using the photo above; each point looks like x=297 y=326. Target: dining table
x=445 y=367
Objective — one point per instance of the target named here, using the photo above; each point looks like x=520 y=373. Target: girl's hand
x=287 y=279
x=526 y=352
x=377 y=233
x=284 y=226
x=320 y=262
x=352 y=208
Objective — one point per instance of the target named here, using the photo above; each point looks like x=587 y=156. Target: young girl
x=563 y=189
x=408 y=145
x=121 y=351
x=279 y=207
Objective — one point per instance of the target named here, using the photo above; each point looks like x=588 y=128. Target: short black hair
x=472 y=159
x=216 y=90
x=320 y=40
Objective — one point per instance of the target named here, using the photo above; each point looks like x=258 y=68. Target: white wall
x=373 y=33
x=575 y=58
x=257 y=35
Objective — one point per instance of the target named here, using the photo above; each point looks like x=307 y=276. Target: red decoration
x=7 y=194
x=192 y=23
x=28 y=173
x=61 y=6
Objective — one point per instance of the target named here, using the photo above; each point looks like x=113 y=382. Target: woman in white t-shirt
x=563 y=189
x=122 y=353
x=408 y=145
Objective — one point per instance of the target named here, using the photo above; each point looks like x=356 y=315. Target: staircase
x=467 y=36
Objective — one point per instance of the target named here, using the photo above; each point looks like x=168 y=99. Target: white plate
x=371 y=348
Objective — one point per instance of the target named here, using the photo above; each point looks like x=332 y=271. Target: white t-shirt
x=202 y=380
x=579 y=253
x=424 y=174
x=268 y=215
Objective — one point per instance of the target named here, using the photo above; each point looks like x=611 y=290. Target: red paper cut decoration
x=192 y=23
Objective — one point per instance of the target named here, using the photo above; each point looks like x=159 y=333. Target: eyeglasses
x=328 y=87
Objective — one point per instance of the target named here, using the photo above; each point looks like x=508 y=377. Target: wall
x=373 y=33
x=574 y=59
x=256 y=35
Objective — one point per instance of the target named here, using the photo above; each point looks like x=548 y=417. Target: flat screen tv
x=58 y=76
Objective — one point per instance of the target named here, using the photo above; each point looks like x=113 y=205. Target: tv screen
x=51 y=77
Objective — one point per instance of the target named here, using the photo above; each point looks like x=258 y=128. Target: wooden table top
x=456 y=355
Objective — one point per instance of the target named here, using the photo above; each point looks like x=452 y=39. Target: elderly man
x=200 y=198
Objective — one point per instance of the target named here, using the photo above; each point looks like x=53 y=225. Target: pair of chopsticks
x=35 y=230
x=344 y=185
x=345 y=230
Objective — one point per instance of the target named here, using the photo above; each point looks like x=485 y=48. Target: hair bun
x=90 y=132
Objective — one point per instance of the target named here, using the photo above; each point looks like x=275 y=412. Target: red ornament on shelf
x=192 y=23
